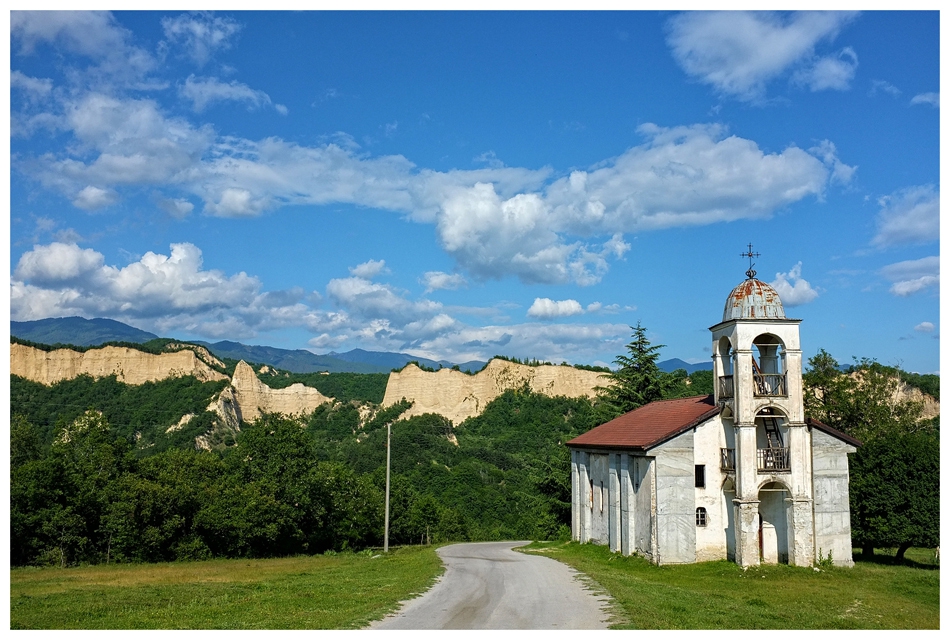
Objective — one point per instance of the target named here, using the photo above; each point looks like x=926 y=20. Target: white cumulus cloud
x=925 y=327
x=495 y=222
x=792 y=288
x=369 y=269
x=62 y=279
x=545 y=308
x=91 y=198
x=57 y=263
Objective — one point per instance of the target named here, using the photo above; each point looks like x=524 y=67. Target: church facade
x=741 y=475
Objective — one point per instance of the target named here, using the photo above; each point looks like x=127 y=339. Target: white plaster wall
x=675 y=501
x=612 y=501
x=644 y=505
x=831 y=504
x=627 y=513
x=708 y=439
x=600 y=514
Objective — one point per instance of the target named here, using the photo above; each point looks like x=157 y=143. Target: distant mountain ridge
x=88 y=333
x=78 y=331
x=675 y=363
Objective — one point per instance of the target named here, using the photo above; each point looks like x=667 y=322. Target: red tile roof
x=649 y=425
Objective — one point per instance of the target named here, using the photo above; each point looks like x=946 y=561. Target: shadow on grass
x=886 y=557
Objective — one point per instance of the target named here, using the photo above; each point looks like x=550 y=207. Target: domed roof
x=753 y=299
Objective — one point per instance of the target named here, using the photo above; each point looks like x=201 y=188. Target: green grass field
x=344 y=591
x=347 y=591
x=875 y=594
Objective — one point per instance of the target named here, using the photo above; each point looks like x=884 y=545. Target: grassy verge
x=344 y=591
x=874 y=594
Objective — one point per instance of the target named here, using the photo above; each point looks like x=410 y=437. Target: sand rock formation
x=130 y=366
x=458 y=395
x=903 y=392
x=251 y=397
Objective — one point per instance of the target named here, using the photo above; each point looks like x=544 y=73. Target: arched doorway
x=773 y=523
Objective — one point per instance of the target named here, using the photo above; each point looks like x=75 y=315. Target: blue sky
x=460 y=185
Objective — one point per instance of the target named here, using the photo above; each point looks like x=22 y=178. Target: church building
x=740 y=475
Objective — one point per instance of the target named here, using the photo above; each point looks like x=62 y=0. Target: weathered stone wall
x=457 y=395
x=130 y=366
x=831 y=505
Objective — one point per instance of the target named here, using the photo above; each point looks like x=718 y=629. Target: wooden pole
x=386 y=535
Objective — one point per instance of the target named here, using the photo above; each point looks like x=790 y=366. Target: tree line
x=84 y=489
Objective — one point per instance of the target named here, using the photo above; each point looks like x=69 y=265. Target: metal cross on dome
x=749 y=254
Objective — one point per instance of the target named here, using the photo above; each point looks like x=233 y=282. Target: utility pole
x=386 y=535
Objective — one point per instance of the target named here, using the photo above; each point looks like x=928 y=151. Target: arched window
x=700 y=516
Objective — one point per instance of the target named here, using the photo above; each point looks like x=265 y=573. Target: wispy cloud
x=739 y=53
x=883 y=86
x=436 y=280
x=912 y=276
x=908 y=216
x=199 y=36
x=931 y=98
x=202 y=92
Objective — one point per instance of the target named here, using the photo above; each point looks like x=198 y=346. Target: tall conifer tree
x=637 y=380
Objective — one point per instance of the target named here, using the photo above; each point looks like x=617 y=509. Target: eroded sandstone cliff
x=252 y=397
x=458 y=395
x=129 y=365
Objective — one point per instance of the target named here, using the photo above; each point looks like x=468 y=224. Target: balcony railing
x=727 y=459
x=773 y=460
x=770 y=384
x=726 y=388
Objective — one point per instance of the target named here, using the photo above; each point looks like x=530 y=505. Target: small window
x=700 y=516
x=700 y=475
x=590 y=496
x=601 y=496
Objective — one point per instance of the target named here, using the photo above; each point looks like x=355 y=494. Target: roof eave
x=757 y=320
x=655 y=443
x=834 y=433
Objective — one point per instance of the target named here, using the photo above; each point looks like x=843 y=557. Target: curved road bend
x=486 y=585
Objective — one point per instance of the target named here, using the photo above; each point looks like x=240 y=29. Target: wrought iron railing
x=775 y=459
x=727 y=459
x=770 y=384
x=726 y=388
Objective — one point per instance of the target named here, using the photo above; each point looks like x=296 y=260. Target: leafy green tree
x=637 y=380
x=25 y=444
x=895 y=490
x=894 y=486
x=679 y=384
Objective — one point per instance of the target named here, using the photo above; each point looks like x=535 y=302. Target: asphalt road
x=486 y=585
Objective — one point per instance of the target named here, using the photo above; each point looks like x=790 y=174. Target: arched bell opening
x=773 y=523
x=724 y=354
x=771 y=436
x=769 y=368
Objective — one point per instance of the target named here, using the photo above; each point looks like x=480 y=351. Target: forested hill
x=78 y=331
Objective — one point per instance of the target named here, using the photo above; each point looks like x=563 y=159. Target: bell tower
x=757 y=377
